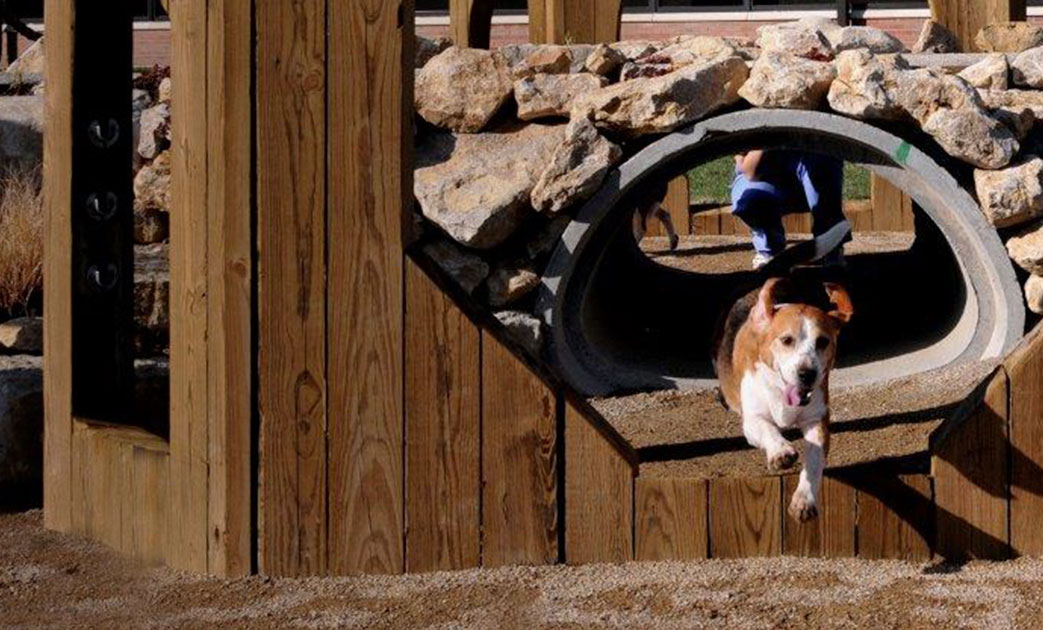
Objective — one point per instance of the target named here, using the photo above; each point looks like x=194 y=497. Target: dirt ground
x=49 y=580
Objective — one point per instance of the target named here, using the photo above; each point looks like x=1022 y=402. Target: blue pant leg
x=822 y=178
x=759 y=205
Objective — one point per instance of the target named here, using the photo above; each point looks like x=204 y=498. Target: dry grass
x=21 y=239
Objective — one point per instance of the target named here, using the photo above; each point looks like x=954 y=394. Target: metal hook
x=99 y=211
x=105 y=280
x=106 y=139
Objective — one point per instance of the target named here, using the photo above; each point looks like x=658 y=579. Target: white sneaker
x=761 y=259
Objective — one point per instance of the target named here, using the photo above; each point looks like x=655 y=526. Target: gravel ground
x=48 y=580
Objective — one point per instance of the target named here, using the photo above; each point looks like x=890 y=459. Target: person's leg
x=822 y=178
x=759 y=205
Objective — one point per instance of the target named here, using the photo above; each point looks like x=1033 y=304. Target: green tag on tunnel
x=902 y=154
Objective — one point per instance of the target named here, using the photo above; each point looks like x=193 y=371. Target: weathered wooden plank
x=98 y=491
x=188 y=288
x=57 y=268
x=1025 y=369
x=519 y=462
x=599 y=495
x=369 y=190
x=895 y=517
x=608 y=18
x=706 y=223
x=574 y=21
x=966 y=17
x=832 y=534
x=291 y=181
x=146 y=502
x=470 y=22
x=670 y=519
x=443 y=424
x=745 y=517
x=892 y=208
x=229 y=273
x=970 y=481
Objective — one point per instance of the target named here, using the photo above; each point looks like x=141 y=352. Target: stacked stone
x=514 y=140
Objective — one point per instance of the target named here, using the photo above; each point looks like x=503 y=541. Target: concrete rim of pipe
x=993 y=316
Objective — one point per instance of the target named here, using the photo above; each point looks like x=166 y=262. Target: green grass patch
x=712 y=181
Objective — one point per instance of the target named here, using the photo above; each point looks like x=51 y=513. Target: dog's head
x=798 y=340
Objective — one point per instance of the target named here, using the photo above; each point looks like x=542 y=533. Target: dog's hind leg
x=668 y=223
x=804 y=505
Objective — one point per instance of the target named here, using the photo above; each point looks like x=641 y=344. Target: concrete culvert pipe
x=620 y=321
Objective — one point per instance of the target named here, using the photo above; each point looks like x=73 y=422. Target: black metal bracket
x=102 y=212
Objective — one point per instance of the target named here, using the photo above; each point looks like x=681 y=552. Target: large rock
x=22 y=335
x=547 y=59
x=155 y=131
x=165 y=92
x=935 y=38
x=991 y=73
x=1020 y=120
x=21 y=423
x=152 y=184
x=21 y=131
x=865 y=85
x=428 y=48
x=1026 y=249
x=868 y=38
x=803 y=38
x=511 y=283
x=550 y=95
x=973 y=136
x=1034 y=294
x=784 y=80
x=30 y=62
x=467 y=269
x=662 y=104
x=524 y=329
x=1012 y=195
x=477 y=187
x=603 y=60
x=1009 y=37
x=633 y=50
x=151 y=225
x=462 y=88
x=1027 y=68
x=577 y=168
x=1017 y=99
x=151 y=299
x=684 y=51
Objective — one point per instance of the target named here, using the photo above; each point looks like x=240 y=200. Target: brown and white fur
x=651 y=206
x=773 y=361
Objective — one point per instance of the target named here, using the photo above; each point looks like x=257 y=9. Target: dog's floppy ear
x=842 y=309
x=767 y=301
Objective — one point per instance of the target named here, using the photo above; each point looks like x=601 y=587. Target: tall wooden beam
x=470 y=22
x=574 y=21
x=966 y=17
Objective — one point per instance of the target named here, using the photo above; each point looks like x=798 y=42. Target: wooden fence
x=337 y=406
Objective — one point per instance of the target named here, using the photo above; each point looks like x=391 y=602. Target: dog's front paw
x=783 y=458
x=803 y=508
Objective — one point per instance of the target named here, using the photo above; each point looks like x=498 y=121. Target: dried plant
x=21 y=239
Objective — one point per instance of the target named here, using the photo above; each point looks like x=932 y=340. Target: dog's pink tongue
x=792 y=396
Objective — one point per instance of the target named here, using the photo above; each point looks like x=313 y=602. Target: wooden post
x=966 y=17
x=574 y=21
x=891 y=209
x=470 y=22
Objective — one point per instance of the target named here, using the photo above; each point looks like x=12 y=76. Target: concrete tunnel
x=621 y=322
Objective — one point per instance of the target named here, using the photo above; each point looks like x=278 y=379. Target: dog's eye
x=822 y=343
x=788 y=340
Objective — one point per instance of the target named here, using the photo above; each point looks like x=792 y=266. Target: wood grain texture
x=574 y=21
x=1025 y=369
x=676 y=203
x=57 y=268
x=146 y=502
x=966 y=17
x=670 y=519
x=519 y=462
x=599 y=495
x=745 y=517
x=892 y=208
x=291 y=203
x=369 y=190
x=470 y=22
x=970 y=481
x=188 y=288
x=229 y=280
x=895 y=517
x=832 y=534
x=443 y=426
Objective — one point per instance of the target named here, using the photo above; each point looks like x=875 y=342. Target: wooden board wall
x=892 y=209
x=895 y=517
x=574 y=21
x=470 y=22
x=443 y=430
x=745 y=517
x=370 y=188
x=670 y=519
x=291 y=221
x=966 y=17
x=832 y=534
x=1025 y=371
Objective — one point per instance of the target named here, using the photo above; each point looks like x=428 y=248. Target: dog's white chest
x=763 y=397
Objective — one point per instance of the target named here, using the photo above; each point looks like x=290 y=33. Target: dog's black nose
x=807 y=376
